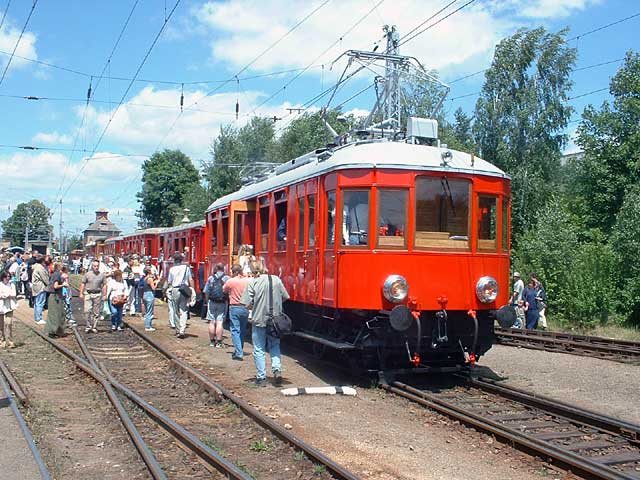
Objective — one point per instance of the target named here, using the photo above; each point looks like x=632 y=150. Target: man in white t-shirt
x=518 y=288
x=179 y=280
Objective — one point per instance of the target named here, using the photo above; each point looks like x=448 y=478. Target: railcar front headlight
x=487 y=289
x=395 y=288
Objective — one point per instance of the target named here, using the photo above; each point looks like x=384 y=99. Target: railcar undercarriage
x=397 y=340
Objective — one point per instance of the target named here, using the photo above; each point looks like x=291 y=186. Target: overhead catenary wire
x=24 y=27
x=428 y=27
x=104 y=131
x=355 y=25
x=91 y=92
x=4 y=15
x=243 y=69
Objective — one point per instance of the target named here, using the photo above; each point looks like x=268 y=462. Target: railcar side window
x=281 y=226
x=392 y=218
x=214 y=235
x=505 y=224
x=331 y=218
x=225 y=229
x=264 y=228
x=355 y=217
x=300 y=238
x=442 y=213
x=487 y=223
x=311 y=202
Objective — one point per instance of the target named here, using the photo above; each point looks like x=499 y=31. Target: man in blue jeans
x=238 y=313
x=39 y=283
x=256 y=296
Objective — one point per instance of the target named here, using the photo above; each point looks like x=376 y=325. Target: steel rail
x=210 y=456
x=332 y=467
x=569 y=459
x=608 y=424
x=148 y=458
x=42 y=468
x=15 y=386
x=607 y=348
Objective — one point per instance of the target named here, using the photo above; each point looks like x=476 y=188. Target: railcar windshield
x=355 y=218
x=442 y=213
x=392 y=217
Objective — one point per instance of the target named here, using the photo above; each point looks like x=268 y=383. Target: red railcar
x=145 y=243
x=112 y=246
x=188 y=239
x=395 y=252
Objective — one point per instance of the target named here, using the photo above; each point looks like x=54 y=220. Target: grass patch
x=319 y=469
x=213 y=445
x=299 y=456
x=230 y=408
x=245 y=469
x=259 y=446
x=610 y=330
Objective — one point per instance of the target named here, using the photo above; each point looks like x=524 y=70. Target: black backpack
x=215 y=289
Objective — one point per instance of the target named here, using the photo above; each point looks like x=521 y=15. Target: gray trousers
x=179 y=309
x=92 y=304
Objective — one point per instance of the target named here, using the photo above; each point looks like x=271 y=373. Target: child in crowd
x=66 y=295
x=8 y=303
x=521 y=311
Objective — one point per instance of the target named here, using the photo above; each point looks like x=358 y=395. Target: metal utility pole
x=60 y=241
x=392 y=74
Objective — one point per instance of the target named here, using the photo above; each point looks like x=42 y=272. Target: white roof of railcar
x=183 y=226
x=145 y=231
x=365 y=154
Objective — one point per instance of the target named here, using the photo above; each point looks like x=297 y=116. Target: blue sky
x=207 y=42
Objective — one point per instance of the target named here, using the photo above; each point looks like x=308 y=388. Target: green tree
x=75 y=242
x=32 y=217
x=166 y=178
x=624 y=241
x=522 y=113
x=610 y=139
x=238 y=153
x=308 y=132
x=197 y=199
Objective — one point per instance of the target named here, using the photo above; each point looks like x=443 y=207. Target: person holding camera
x=180 y=284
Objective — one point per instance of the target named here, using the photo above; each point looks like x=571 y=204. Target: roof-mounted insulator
x=89 y=90
x=237 y=97
x=182 y=98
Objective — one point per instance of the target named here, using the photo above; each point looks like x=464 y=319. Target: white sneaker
x=150 y=329
x=42 y=322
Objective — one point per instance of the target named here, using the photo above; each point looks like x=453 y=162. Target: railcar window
x=487 y=223
x=214 y=235
x=311 y=202
x=264 y=228
x=442 y=213
x=300 y=238
x=225 y=231
x=281 y=226
x=392 y=218
x=505 y=224
x=355 y=217
x=331 y=218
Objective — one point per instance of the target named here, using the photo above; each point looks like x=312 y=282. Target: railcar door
x=329 y=270
x=311 y=288
x=243 y=225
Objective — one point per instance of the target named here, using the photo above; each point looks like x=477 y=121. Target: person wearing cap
x=518 y=288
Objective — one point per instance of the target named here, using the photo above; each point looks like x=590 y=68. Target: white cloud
x=53 y=138
x=140 y=129
x=554 y=8
x=27 y=48
x=245 y=33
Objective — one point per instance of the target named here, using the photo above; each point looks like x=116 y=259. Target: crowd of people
x=530 y=302
x=114 y=286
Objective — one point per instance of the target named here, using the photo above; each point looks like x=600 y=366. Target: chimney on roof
x=102 y=214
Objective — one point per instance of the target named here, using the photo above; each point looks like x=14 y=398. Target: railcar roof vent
x=423 y=131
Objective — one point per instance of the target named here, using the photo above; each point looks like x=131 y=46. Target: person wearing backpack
x=216 y=304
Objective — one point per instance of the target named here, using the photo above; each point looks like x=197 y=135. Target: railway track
x=8 y=383
x=599 y=347
x=589 y=444
x=171 y=402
